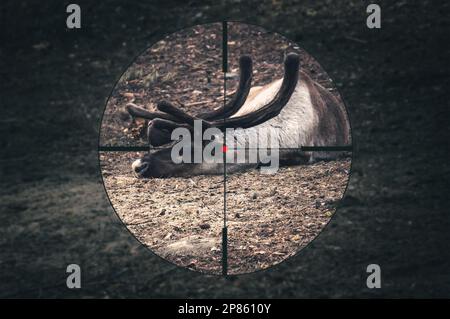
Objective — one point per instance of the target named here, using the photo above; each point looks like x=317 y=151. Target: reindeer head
x=170 y=119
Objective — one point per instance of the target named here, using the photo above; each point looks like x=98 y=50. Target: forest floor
x=181 y=219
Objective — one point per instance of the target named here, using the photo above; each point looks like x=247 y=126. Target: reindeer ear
x=159 y=131
x=156 y=136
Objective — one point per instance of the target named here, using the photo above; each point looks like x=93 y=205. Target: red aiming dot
x=224 y=148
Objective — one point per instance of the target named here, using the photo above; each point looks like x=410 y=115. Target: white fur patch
x=295 y=124
x=258 y=97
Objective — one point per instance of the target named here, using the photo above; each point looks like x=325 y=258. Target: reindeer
x=299 y=110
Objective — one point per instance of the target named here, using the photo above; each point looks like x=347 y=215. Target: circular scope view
x=225 y=148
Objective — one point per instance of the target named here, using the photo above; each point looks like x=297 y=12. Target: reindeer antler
x=245 y=80
x=171 y=117
x=274 y=107
x=268 y=111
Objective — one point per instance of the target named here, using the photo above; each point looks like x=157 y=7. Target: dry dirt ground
x=269 y=217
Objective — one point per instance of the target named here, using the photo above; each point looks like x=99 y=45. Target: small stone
x=107 y=173
x=168 y=236
x=204 y=226
x=237 y=215
x=254 y=196
x=328 y=213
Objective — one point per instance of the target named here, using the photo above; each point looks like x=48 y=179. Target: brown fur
x=331 y=112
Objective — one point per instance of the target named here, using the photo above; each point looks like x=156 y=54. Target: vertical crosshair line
x=224 y=149
x=224 y=70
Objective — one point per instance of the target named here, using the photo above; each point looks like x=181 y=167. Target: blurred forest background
x=54 y=84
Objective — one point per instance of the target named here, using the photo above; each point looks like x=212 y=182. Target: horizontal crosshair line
x=341 y=148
